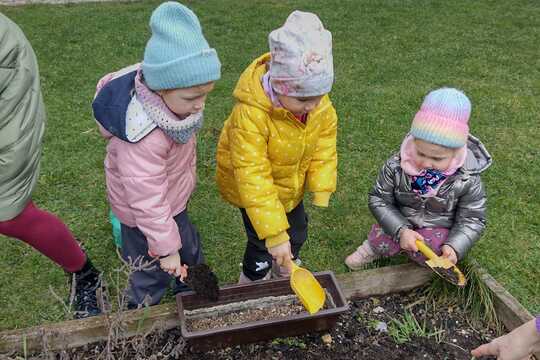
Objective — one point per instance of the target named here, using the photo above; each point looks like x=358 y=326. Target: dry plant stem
x=457 y=346
x=116 y=321
x=65 y=306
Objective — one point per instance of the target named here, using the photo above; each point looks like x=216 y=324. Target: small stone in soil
x=381 y=327
x=326 y=339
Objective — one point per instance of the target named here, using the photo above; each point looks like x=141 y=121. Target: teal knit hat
x=177 y=55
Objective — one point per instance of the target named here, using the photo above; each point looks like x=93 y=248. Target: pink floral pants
x=383 y=244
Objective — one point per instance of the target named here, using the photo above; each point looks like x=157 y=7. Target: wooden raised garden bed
x=362 y=284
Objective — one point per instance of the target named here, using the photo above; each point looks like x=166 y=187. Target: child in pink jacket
x=150 y=112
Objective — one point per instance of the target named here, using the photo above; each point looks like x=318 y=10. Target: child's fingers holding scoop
x=182 y=272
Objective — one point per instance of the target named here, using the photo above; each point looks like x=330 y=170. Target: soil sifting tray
x=254 y=312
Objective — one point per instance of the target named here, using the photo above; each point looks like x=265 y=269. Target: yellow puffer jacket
x=265 y=156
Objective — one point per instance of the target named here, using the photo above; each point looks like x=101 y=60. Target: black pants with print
x=257 y=259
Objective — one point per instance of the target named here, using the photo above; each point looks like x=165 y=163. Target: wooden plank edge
x=73 y=333
x=384 y=280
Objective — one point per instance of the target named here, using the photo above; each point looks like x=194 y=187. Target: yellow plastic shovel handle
x=294 y=267
x=425 y=250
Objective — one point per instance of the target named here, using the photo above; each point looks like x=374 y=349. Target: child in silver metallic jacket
x=431 y=190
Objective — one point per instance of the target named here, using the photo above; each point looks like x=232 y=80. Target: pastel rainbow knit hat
x=443 y=118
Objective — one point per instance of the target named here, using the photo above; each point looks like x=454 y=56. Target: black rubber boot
x=87 y=284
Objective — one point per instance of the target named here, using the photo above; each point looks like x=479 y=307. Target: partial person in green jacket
x=22 y=124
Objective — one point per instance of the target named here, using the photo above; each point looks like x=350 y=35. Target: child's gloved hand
x=172 y=265
x=281 y=253
x=407 y=239
x=449 y=253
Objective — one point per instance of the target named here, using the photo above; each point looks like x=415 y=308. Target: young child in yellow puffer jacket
x=279 y=139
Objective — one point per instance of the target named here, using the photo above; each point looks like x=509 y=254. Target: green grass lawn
x=387 y=54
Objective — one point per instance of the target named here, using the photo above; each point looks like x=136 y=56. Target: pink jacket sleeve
x=142 y=168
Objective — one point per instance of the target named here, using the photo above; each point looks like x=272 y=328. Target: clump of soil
x=203 y=281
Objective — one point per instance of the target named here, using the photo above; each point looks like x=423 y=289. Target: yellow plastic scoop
x=307 y=288
x=441 y=265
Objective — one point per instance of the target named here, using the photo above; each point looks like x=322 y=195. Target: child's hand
x=281 y=253
x=172 y=265
x=449 y=253
x=407 y=239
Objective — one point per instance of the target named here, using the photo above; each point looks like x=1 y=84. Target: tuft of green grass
x=476 y=298
x=406 y=327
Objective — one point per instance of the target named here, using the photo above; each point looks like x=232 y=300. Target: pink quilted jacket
x=149 y=182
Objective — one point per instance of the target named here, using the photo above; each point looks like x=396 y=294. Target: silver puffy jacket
x=460 y=203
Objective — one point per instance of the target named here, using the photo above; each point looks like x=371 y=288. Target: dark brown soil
x=365 y=332
x=203 y=281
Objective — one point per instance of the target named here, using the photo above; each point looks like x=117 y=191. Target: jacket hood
x=249 y=89
x=478 y=159
x=111 y=104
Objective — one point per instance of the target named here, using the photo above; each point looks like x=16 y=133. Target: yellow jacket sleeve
x=322 y=172
x=253 y=173
x=275 y=240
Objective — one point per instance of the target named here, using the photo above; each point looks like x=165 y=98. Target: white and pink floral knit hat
x=301 y=62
